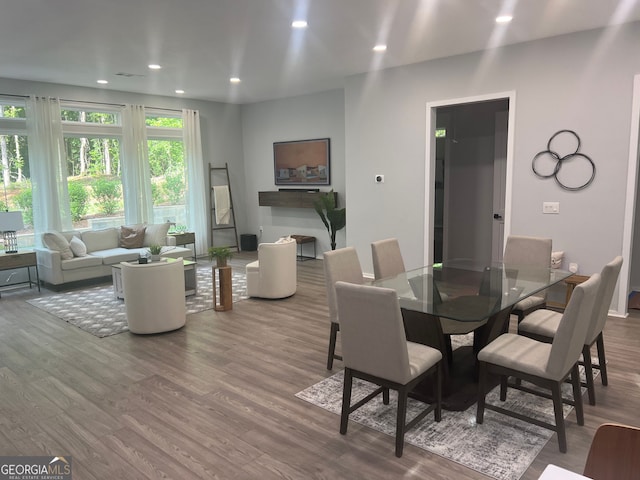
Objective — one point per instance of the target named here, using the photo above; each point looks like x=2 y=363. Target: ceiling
x=202 y=43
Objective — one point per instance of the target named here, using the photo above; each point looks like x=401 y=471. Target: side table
x=301 y=240
x=186 y=238
x=225 y=296
x=12 y=261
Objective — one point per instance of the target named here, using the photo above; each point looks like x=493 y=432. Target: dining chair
x=339 y=265
x=614 y=453
x=387 y=258
x=528 y=251
x=542 y=364
x=542 y=325
x=375 y=349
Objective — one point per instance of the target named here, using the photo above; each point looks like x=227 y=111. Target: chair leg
x=400 y=420
x=482 y=383
x=385 y=396
x=438 y=409
x=588 y=373
x=602 y=360
x=503 y=387
x=333 y=335
x=556 y=395
x=577 y=394
x=346 y=400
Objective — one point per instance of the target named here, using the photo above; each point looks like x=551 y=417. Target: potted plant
x=221 y=255
x=155 y=250
x=333 y=218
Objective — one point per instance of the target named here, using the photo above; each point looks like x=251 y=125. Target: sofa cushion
x=156 y=234
x=132 y=237
x=56 y=241
x=78 y=247
x=116 y=255
x=81 y=262
x=97 y=240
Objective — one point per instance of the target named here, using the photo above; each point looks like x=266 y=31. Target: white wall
x=581 y=82
x=318 y=115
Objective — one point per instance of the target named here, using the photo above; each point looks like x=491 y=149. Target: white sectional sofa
x=81 y=255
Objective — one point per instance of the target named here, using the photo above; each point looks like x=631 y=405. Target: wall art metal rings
x=563 y=161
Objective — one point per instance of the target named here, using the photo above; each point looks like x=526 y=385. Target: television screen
x=302 y=162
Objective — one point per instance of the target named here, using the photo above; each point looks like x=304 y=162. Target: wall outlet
x=550 y=207
x=261 y=229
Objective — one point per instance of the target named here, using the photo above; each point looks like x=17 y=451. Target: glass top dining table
x=467 y=290
x=458 y=297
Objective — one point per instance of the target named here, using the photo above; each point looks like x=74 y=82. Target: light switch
x=550 y=207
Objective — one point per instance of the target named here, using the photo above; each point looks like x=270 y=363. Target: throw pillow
x=78 y=247
x=132 y=237
x=156 y=234
x=56 y=241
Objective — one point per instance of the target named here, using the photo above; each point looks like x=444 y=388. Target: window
x=92 y=145
x=167 y=166
x=92 y=140
x=14 y=158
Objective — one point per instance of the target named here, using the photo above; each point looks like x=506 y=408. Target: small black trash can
x=248 y=242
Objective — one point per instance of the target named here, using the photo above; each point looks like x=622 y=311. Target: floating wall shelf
x=291 y=198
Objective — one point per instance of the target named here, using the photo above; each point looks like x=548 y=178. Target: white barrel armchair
x=154 y=295
x=273 y=275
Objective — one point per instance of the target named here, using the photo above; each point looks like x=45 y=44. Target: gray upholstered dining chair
x=543 y=324
x=528 y=251
x=543 y=364
x=387 y=258
x=339 y=265
x=375 y=349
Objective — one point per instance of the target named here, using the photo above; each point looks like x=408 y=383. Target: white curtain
x=47 y=164
x=136 y=175
x=196 y=191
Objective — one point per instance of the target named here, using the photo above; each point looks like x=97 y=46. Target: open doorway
x=469 y=150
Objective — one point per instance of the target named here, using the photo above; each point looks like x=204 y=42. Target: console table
x=301 y=240
x=12 y=261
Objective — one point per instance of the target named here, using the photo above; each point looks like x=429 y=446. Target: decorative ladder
x=217 y=177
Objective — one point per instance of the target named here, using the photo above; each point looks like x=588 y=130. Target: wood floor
x=216 y=398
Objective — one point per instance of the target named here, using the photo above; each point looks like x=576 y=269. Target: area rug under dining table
x=97 y=311
x=502 y=447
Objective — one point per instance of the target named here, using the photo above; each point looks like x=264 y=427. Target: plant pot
x=155 y=258
x=221 y=262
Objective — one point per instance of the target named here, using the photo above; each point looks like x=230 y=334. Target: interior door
x=499 y=184
x=474 y=166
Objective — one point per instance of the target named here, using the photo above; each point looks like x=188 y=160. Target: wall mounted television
x=302 y=162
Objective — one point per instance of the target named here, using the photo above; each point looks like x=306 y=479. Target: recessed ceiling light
x=102 y=82
x=504 y=19
x=379 y=48
x=234 y=80
x=299 y=24
x=155 y=66
x=179 y=91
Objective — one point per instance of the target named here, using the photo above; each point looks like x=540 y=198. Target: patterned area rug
x=97 y=311
x=501 y=448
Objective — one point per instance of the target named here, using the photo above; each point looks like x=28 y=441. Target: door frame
x=630 y=206
x=430 y=162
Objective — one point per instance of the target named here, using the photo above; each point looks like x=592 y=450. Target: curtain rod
x=93 y=103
